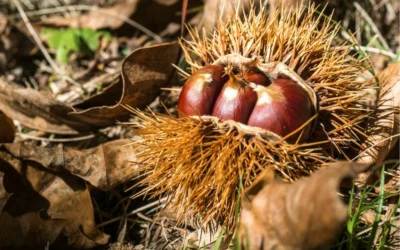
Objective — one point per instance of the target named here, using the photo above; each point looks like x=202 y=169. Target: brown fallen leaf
x=14 y=44
x=4 y=196
x=40 y=207
x=104 y=166
x=279 y=215
x=144 y=73
x=7 y=129
x=385 y=129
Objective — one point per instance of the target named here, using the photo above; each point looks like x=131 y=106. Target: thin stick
x=379 y=224
x=372 y=50
x=155 y=203
x=82 y=138
x=375 y=144
x=372 y=24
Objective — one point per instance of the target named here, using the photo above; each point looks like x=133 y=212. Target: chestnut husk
x=201 y=163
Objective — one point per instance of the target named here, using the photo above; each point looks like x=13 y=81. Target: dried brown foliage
x=144 y=72
x=7 y=131
x=384 y=131
x=305 y=214
x=44 y=192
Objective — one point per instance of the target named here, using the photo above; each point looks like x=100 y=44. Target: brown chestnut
x=201 y=91
x=256 y=78
x=236 y=101
x=282 y=107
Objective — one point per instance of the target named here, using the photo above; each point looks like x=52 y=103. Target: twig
x=155 y=203
x=82 y=138
x=379 y=224
x=370 y=49
x=375 y=144
x=372 y=24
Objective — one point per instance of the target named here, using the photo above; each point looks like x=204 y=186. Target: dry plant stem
x=372 y=24
x=136 y=211
x=81 y=138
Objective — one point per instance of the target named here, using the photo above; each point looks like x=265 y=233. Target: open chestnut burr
x=264 y=91
x=253 y=98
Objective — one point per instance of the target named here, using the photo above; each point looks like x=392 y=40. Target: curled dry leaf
x=104 y=166
x=13 y=43
x=144 y=73
x=7 y=129
x=384 y=130
x=40 y=207
x=279 y=215
x=386 y=118
x=44 y=196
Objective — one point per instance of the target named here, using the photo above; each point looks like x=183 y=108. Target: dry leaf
x=104 y=166
x=98 y=18
x=279 y=215
x=37 y=111
x=384 y=132
x=144 y=73
x=387 y=117
x=13 y=44
x=44 y=196
x=40 y=207
x=7 y=129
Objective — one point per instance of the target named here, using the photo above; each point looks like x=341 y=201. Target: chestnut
x=282 y=107
x=235 y=101
x=256 y=78
x=201 y=91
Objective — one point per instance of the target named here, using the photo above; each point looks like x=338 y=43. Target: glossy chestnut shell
x=281 y=106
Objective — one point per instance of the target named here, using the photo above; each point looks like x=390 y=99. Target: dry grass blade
x=271 y=202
